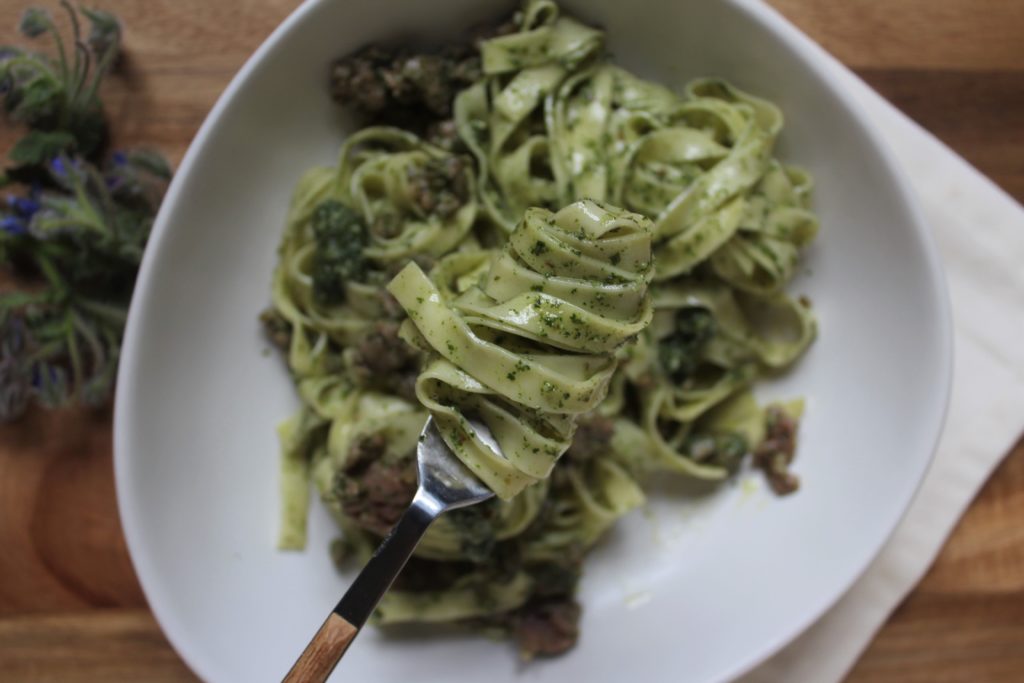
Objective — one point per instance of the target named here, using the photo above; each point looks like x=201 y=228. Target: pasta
x=592 y=263
x=531 y=345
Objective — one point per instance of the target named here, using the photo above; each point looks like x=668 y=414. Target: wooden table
x=70 y=606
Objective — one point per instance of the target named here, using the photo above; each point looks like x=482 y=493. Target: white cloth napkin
x=980 y=233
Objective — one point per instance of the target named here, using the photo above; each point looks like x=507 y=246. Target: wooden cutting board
x=70 y=606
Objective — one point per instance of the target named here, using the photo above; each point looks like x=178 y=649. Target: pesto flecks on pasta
x=593 y=264
x=531 y=345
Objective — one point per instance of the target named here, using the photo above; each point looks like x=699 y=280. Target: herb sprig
x=76 y=220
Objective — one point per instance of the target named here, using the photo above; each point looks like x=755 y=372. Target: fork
x=444 y=484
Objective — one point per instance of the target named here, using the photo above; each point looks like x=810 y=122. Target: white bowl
x=693 y=590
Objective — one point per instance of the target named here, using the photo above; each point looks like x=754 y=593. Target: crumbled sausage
x=384 y=361
x=389 y=304
x=548 y=627
x=372 y=492
x=386 y=226
x=775 y=454
x=593 y=438
x=444 y=134
x=356 y=79
x=387 y=84
x=440 y=186
x=277 y=329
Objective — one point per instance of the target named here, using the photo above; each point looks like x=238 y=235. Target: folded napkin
x=980 y=233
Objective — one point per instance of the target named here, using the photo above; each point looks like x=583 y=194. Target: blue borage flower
x=14 y=225
x=44 y=374
x=114 y=179
x=61 y=166
x=57 y=167
x=50 y=385
x=23 y=206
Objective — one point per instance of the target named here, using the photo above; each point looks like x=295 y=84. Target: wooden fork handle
x=320 y=657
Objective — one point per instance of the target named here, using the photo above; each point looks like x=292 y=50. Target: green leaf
x=47 y=330
x=36 y=101
x=37 y=147
x=7 y=53
x=35 y=22
x=152 y=161
x=89 y=128
x=104 y=33
x=18 y=299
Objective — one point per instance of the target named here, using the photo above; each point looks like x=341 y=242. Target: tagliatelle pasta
x=595 y=265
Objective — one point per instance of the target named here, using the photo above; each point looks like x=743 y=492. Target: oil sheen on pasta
x=594 y=263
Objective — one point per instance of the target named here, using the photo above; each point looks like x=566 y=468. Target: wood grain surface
x=324 y=651
x=71 y=608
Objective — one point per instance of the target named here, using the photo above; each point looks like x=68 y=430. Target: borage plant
x=76 y=218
